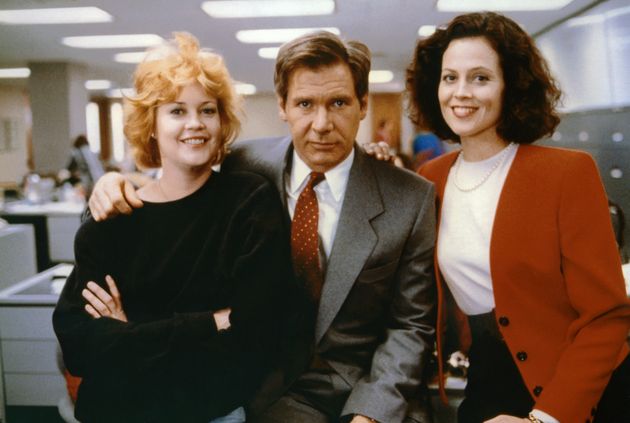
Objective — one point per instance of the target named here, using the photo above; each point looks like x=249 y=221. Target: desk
x=454 y=387
x=17 y=254
x=55 y=226
x=30 y=369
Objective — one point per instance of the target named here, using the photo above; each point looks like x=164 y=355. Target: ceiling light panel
x=15 y=73
x=121 y=92
x=267 y=8
x=98 y=84
x=426 y=30
x=113 y=41
x=60 y=15
x=279 y=35
x=381 y=76
x=245 y=89
x=268 y=52
x=502 y=5
x=130 y=57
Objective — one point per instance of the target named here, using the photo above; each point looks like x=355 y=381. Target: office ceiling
x=388 y=27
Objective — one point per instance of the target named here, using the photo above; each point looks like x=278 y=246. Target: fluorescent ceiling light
x=121 y=92
x=268 y=52
x=280 y=35
x=113 y=41
x=504 y=5
x=426 y=30
x=245 y=89
x=60 y=15
x=15 y=73
x=381 y=76
x=130 y=57
x=98 y=84
x=267 y=8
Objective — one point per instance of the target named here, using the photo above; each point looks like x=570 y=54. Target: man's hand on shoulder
x=113 y=194
x=381 y=151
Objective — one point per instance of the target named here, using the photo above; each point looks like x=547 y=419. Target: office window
x=93 y=126
x=118 y=138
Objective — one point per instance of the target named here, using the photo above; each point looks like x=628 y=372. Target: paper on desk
x=60 y=275
x=56 y=286
x=63 y=271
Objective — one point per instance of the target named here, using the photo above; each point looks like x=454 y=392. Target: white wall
x=261 y=118
x=14 y=108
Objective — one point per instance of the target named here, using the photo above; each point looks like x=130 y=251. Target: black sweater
x=175 y=263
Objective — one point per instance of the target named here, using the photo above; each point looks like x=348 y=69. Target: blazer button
x=521 y=355
x=537 y=390
x=504 y=321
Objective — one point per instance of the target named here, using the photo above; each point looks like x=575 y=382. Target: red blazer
x=559 y=291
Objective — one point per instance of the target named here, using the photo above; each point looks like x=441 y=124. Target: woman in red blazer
x=525 y=243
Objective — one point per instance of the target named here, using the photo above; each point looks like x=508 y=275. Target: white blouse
x=468 y=209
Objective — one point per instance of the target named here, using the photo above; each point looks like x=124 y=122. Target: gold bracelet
x=534 y=419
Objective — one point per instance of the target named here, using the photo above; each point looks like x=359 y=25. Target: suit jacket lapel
x=354 y=240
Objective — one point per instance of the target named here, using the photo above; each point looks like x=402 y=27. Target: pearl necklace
x=502 y=156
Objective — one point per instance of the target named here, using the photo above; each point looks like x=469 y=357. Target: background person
x=184 y=296
x=525 y=243
x=84 y=166
x=426 y=146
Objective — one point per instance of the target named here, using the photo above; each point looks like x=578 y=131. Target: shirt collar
x=336 y=178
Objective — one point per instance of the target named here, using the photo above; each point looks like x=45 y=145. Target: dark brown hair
x=319 y=49
x=530 y=95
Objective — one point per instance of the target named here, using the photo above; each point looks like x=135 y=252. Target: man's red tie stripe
x=305 y=239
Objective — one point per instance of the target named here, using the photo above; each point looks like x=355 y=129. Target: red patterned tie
x=304 y=237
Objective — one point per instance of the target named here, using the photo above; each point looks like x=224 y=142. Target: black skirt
x=495 y=385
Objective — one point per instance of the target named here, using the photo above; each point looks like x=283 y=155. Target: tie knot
x=315 y=178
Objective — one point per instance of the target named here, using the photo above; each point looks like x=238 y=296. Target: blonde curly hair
x=160 y=78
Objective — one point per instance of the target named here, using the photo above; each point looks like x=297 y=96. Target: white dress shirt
x=330 y=194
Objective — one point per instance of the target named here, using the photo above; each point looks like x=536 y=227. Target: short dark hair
x=322 y=48
x=80 y=141
x=530 y=95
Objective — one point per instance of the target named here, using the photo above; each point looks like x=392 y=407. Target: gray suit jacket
x=375 y=323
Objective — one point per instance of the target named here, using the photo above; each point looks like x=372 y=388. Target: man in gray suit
x=374 y=307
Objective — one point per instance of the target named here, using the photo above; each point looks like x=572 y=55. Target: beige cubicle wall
x=29 y=349
x=56 y=224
